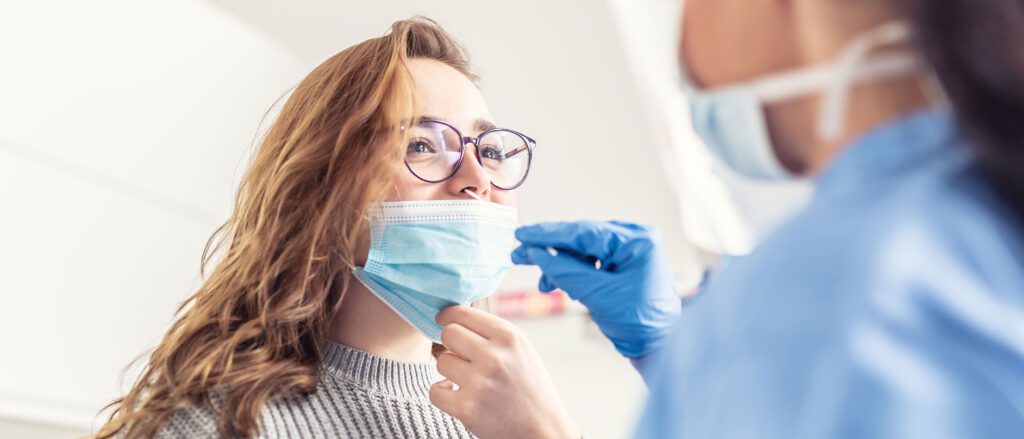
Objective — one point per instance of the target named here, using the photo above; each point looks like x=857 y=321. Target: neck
x=826 y=29
x=870 y=107
x=364 y=322
x=794 y=124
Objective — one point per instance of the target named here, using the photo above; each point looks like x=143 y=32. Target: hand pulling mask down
x=427 y=255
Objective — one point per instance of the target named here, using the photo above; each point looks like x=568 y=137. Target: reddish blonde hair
x=254 y=329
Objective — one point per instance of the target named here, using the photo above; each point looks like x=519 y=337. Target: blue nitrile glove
x=631 y=297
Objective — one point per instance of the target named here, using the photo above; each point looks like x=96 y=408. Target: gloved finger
x=545 y=285
x=562 y=268
x=519 y=256
x=631 y=226
x=586 y=238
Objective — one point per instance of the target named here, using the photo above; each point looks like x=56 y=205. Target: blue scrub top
x=891 y=307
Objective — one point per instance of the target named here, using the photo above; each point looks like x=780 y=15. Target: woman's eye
x=420 y=147
x=492 y=153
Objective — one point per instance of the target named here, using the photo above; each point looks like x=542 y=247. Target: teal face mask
x=427 y=255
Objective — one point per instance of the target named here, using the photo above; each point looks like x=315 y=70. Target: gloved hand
x=631 y=296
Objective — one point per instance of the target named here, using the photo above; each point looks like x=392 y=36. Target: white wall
x=125 y=125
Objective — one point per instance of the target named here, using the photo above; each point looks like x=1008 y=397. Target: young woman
x=308 y=326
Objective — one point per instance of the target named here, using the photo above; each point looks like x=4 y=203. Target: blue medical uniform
x=892 y=306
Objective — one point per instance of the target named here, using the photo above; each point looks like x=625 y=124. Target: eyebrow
x=483 y=125
x=480 y=125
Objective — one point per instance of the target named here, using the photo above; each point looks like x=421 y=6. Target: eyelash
x=421 y=141
x=497 y=151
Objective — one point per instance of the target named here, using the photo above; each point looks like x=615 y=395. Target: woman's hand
x=501 y=389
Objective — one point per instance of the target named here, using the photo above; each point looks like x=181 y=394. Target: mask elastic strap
x=852 y=68
x=837 y=77
x=786 y=86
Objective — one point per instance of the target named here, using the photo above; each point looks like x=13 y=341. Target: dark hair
x=977 y=50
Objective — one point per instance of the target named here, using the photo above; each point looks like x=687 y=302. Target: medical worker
x=891 y=306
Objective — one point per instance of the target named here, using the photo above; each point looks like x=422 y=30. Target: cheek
x=507 y=198
x=409 y=188
x=702 y=42
x=730 y=41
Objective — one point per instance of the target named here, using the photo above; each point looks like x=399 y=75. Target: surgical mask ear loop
x=832 y=117
x=373 y=210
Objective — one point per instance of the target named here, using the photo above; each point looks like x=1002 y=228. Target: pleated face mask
x=428 y=255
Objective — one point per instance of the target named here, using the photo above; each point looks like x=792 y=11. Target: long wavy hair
x=254 y=330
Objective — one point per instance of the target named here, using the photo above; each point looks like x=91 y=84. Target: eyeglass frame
x=463 y=140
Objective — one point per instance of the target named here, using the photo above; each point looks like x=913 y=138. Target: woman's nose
x=470 y=175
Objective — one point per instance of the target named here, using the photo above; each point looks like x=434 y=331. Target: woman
x=892 y=306
x=308 y=326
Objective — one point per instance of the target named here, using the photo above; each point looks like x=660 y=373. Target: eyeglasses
x=436 y=150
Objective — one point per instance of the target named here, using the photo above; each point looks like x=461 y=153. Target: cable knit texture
x=359 y=395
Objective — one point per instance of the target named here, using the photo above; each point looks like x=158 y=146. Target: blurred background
x=126 y=124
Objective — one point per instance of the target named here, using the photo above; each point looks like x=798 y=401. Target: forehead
x=444 y=93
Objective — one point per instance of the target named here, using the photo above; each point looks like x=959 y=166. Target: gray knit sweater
x=359 y=395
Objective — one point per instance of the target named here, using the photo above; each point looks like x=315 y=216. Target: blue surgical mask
x=428 y=255
x=731 y=122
